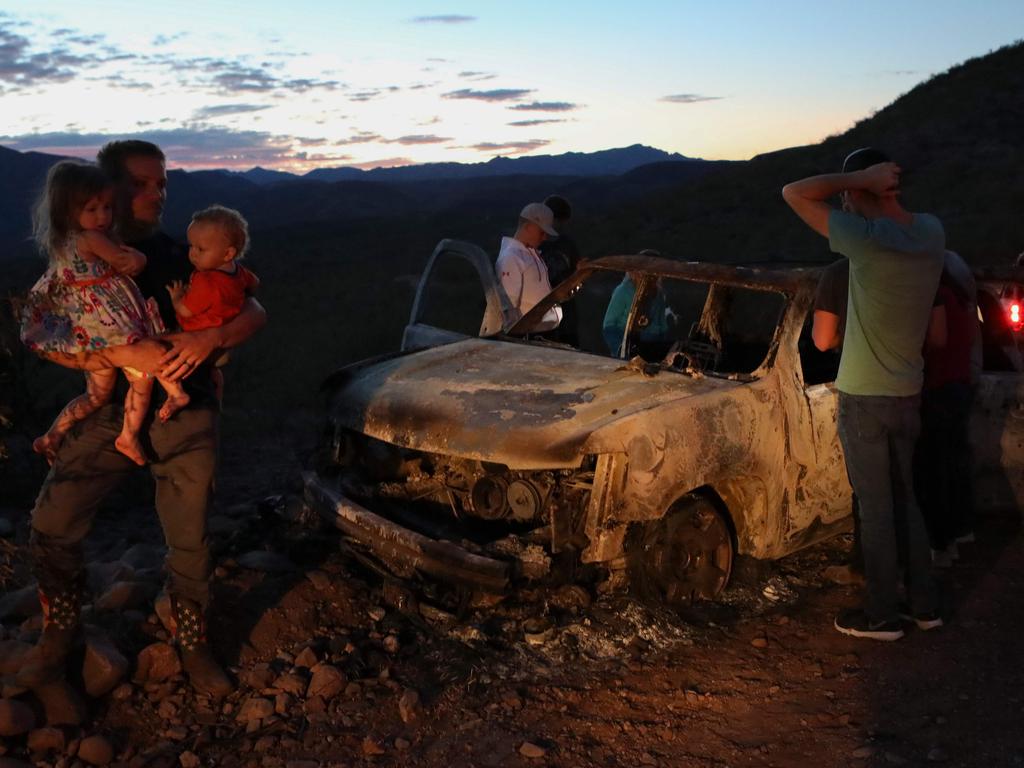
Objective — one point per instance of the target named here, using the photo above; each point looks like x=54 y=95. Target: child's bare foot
x=130 y=446
x=173 y=404
x=47 y=445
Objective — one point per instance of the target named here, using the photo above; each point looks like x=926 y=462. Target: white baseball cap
x=540 y=215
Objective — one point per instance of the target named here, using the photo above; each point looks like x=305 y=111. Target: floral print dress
x=82 y=304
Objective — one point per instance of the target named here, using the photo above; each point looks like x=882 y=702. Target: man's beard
x=133 y=230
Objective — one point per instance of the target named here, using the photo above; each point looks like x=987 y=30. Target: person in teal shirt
x=895 y=258
x=652 y=321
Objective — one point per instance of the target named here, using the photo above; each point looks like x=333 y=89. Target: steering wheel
x=696 y=354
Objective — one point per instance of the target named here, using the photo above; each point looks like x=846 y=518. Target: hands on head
x=881 y=179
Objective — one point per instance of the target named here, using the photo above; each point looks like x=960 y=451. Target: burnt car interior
x=678 y=324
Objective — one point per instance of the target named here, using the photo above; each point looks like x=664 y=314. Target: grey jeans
x=879 y=435
x=184 y=458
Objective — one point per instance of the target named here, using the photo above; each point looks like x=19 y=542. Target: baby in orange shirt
x=217 y=237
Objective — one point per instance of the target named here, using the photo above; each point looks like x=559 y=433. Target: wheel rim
x=687 y=555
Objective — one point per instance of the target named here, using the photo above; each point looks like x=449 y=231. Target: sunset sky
x=306 y=83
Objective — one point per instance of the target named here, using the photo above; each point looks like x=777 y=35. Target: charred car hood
x=526 y=406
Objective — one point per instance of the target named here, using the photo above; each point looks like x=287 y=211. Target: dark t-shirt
x=834 y=292
x=167 y=261
x=560 y=256
x=952 y=363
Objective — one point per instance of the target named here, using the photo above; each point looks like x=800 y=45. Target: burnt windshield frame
x=785 y=283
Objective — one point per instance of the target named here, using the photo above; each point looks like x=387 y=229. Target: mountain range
x=275 y=198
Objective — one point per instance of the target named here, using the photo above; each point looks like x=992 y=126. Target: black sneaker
x=857 y=624
x=926 y=620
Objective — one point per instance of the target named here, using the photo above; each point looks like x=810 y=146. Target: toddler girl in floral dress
x=86 y=301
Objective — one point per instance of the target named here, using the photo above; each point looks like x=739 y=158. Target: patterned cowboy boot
x=45 y=663
x=189 y=629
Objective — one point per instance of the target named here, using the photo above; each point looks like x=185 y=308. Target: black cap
x=863 y=158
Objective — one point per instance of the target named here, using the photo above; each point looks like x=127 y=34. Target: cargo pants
x=183 y=453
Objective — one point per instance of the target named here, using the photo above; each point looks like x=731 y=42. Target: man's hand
x=177 y=291
x=135 y=261
x=881 y=179
x=189 y=350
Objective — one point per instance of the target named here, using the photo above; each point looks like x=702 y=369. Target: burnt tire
x=684 y=556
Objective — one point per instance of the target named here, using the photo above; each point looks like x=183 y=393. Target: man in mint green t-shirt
x=896 y=259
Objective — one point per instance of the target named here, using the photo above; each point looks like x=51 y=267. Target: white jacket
x=524 y=277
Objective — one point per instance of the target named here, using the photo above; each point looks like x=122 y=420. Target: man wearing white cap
x=523 y=273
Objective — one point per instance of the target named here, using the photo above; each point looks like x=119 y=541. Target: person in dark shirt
x=827 y=330
x=830 y=302
x=561 y=256
x=182 y=452
x=943 y=458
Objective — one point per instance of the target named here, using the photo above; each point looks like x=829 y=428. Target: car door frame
x=498 y=314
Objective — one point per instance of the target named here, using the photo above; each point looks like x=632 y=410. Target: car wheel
x=685 y=556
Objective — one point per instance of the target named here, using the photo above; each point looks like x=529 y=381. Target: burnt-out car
x=693 y=423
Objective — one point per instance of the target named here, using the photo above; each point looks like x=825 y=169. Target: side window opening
x=453 y=298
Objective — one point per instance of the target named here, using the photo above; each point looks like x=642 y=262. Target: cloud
x=221 y=110
x=364 y=95
x=21 y=67
x=687 y=98
x=386 y=162
x=361 y=137
x=900 y=72
x=443 y=18
x=531 y=123
x=509 y=147
x=196 y=146
x=471 y=75
x=167 y=39
x=416 y=139
x=497 y=94
x=545 y=106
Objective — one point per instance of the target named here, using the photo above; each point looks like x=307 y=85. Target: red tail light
x=1015 y=315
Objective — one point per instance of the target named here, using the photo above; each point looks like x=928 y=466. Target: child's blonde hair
x=69 y=186
x=231 y=221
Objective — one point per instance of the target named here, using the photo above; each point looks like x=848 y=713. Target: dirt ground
x=556 y=677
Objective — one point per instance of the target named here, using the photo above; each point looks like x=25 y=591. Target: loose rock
x=290 y=683
x=43 y=740
x=759 y=642
x=320 y=580
x=123 y=595
x=188 y=760
x=255 y=709
x=102 y=575
x=409 y=708
x=307 y=658
x=258 y=677
x=22 y=603
x=11 y=653
x=95 y=750
x=269 y=562
x=61 y=703
x=371 y=747
x=327 y=682
x=532 y=751
x=104 y=667
x=143 y=556
x=16 y=718
x=156 y=663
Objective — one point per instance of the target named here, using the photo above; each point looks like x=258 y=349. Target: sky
x=298 y=84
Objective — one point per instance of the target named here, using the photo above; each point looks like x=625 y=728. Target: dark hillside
x=959 y=138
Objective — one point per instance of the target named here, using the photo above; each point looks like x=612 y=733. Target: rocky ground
x=338 y=666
